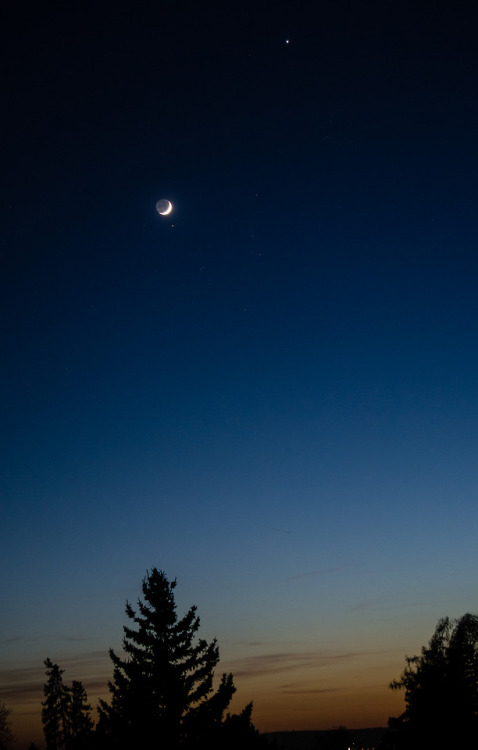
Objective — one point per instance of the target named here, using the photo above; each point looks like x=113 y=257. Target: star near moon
x=164 y=207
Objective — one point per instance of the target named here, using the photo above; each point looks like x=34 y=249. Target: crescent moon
x=164 y=207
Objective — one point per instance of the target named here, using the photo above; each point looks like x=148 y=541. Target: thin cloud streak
x=12 y=639
x=306 y=691
x=267 y=664
x=22 y=684
x=383 y=604
x=46 y=637
x=280 y=531
x=318 y=572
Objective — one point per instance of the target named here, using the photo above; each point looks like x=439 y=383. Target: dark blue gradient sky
x=271 y=394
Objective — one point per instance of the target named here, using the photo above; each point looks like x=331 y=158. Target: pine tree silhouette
x=162 y=691
x=66 y=714
x=81 y=724
x=56 y=708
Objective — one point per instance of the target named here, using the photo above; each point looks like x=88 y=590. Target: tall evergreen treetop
x=66 y=715
x=81 y=724
x=55 y=708
x=163 y=688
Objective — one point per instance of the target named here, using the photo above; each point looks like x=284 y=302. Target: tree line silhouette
x=163 y=693
x=441 y=691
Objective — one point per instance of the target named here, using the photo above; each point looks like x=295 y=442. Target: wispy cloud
x=281 y=531
x=293 y=690
x=383 y=604
x=318 y=572
x=266 y=664
x=23 y=684
x=12 y=639
x=45 y=637
x=366 y=605
x=90 y=657
x=77 y=638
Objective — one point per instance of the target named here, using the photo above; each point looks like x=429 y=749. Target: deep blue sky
x=272 y=394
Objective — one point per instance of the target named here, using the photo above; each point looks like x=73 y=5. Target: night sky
x=272 y=393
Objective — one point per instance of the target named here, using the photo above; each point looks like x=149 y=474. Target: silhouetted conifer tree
x=239 y=733
x=56 y=708
x=6 y=734
x=66 y=714
x=81 y=724
x=441 y=691
x=162 y=691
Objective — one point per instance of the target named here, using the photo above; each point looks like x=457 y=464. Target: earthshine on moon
x=164 y=207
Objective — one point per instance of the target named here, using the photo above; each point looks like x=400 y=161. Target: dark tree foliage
x=162 y=692
x=239 y=733
x=81 y=724
x=6 y=734
x=66 y=714
x=441 y=690
x=56 y=708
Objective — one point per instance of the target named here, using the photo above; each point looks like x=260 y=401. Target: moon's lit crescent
x=164 y=207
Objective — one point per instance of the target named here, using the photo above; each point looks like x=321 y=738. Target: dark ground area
x=316 y=740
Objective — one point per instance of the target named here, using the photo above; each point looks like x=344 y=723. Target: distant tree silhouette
x=441 y=691
x=56 y=708
x=66 y=718
x=338 y=738
x=81 y=724
x=162 y=692
x=6 y=734
x=239 y=733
